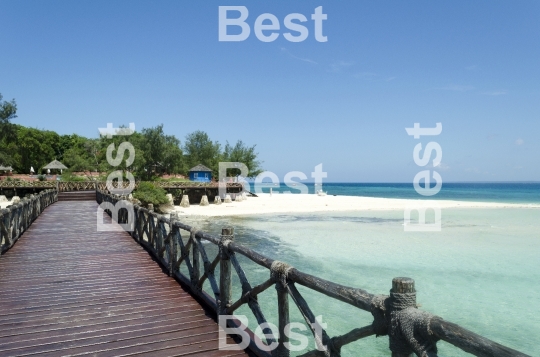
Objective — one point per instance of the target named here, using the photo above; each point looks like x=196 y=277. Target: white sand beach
x=299 y=203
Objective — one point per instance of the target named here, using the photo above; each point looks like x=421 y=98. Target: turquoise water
x=482 y=271
x=520 y=192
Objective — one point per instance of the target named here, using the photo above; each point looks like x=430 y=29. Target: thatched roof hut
x=55 y=164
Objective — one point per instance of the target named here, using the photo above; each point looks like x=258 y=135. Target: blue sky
x=74 y=66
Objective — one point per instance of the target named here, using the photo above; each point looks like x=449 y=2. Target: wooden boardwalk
x=68 y=290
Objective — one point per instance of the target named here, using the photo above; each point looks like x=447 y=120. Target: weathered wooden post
x=151 y=225
x=3 y=230
x=283 y=311
x=172 y=243
x=7 y=224
x=402 y=286
x=225 y=277
x=279 y=272
x=196 y=259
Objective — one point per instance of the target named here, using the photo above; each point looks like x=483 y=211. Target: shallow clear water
x=481 y=271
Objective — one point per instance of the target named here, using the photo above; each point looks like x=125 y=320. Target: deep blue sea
x=505 y=192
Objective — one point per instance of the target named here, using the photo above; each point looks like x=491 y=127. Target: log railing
x=16 y=219
x=27 y=184
x=410 y=330
x=102 y=185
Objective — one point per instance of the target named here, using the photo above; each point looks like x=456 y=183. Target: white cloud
x=458 y=88
x=520 y=141
x=495 y=93
x=340 y=65
x=365 y=75
x=283 y=49
x=442 y=167
x=373 y=77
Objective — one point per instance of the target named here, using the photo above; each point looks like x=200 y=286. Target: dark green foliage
x=155 y=152
x=79 y=154
x=161 y=153
x=200 y=149
x=67 y=176
x=148 y=193
x=244 y=154
x=8 y=111
x=42 y=178
x=35 y=148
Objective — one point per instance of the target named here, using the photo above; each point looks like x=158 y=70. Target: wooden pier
x=66 y=289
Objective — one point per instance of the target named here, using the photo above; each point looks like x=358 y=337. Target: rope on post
x=279 y=271
x=407 y=327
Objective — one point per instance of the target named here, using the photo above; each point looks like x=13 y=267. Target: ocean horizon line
x=404 y=183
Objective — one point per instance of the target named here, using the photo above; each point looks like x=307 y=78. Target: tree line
x=156 y=153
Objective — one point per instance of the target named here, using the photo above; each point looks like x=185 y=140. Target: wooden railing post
x=195 y=260
x=279 y=273
x=172 y=243
x=225 y=272
x=403 y=286
x=7 y=224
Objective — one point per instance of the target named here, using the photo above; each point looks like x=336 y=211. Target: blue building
x=200 y=173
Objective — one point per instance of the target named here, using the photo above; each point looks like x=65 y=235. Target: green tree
x=199 y=149
x=155 y=153
x=35 y=148
x=154 y=148
x=97 y=153
x=173 y=156
x=8 y=133
x=78 y=153
x=244 y=154
x=8 y=111
x=148 y=193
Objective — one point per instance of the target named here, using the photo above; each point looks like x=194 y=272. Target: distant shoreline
x=515 y=193
x=311 y=203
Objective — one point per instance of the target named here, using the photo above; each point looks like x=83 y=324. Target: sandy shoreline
x=298 y=203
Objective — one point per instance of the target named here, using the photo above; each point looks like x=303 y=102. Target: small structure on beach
x=6 y=168
x=200 y=173
x=54 y=165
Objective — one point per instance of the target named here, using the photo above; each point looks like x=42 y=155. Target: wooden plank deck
x=68 y=290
